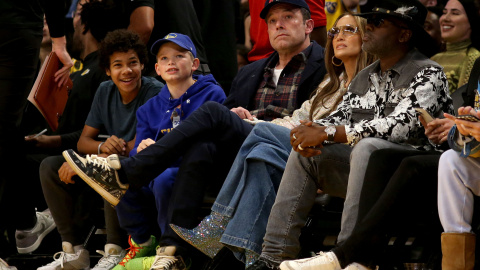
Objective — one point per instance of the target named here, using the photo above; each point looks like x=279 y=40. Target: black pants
x=208 y=140
x=75 y=207
x=19 y=50
x=400 y=186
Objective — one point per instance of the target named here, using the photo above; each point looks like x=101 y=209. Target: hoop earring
x=335 y=64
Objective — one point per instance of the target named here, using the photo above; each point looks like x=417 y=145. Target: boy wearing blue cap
x=182 y=94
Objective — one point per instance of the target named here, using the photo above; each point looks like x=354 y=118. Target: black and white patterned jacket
x=384 y=107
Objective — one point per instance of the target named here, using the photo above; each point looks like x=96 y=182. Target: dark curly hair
x=101 y=17
x=121 y=40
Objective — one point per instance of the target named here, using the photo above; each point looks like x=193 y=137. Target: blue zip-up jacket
x=155 y=117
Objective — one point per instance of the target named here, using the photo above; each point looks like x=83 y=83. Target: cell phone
x=468 y=117
x=426 y=116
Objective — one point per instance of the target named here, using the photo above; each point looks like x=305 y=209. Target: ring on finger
x=300 y=147
x=295 y=137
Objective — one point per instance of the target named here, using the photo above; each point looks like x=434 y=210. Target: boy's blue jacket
x=154 y=118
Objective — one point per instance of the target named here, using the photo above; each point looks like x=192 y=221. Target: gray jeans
x=331 y=171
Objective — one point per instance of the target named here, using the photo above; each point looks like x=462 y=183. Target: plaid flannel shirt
x=276 y=101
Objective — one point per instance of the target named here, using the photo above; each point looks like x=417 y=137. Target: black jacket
x=245 y=84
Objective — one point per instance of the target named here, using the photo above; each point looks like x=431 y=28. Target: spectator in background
x=21 y=24
x=460 y=27
x=432 y=26
x=242 y=56
x=335 y=8
x=429 y=3
x=261 y=47
x=46 y=46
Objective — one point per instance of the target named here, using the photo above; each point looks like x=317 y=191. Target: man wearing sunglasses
x=377 y=112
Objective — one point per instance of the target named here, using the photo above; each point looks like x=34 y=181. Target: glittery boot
x=206 y=236
x=250 y=257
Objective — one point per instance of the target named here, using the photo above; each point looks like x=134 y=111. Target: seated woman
x=457 y=184
x=459 y=27
x=253 y=180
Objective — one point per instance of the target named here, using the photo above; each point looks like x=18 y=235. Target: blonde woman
x=240 y=213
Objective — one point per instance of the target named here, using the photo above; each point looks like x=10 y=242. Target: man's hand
x=437 y=130
x=43 y=141
x=59 y=46
x=144 y=144
x=66 y=173
x=114 y=145
x=307 y=139
x=242 y=113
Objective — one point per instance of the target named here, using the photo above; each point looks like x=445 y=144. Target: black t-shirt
x=29 y=14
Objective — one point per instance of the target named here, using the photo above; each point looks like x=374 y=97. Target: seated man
x=380 y=103
x=121 y=55
x=90 y=27
x=209 y=139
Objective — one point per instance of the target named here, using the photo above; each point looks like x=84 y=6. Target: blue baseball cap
x=271 y=3
x=181 y=40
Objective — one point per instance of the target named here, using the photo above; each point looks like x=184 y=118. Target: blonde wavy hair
x=333 y=72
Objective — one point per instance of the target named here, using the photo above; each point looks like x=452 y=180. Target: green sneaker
x=136 y=251
x=143 y=263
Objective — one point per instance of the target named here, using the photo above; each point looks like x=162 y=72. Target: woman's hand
x=437 y=130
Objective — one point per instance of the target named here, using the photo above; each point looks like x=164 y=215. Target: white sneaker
x=4 y=266
x=356 y=266
x=72 y=258
x=29 y=240
x=324 y=261
x=112 y=255
x=165 y=259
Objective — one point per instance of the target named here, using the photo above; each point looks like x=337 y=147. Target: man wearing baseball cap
x=377 y=112
x=209 y=139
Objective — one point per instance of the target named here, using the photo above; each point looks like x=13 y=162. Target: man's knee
x=50 y=167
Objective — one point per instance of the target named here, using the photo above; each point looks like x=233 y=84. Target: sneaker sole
x=98 y=188
x=37 y=243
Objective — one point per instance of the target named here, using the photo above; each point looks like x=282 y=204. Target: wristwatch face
x=330 y=130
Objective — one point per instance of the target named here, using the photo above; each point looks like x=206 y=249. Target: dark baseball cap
x=181 y=40
x=271 y=3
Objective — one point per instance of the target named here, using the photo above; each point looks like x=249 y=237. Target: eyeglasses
x=347 y=30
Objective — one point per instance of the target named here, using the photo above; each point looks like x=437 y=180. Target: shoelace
x=162 y=262
x=107 y=260
x=60 y=256
x=132 y=251
x=98 y=161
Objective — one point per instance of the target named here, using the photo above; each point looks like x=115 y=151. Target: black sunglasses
x=379 y=21
x=376 y=21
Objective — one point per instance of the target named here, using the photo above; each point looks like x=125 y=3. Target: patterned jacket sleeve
x=427 y=90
